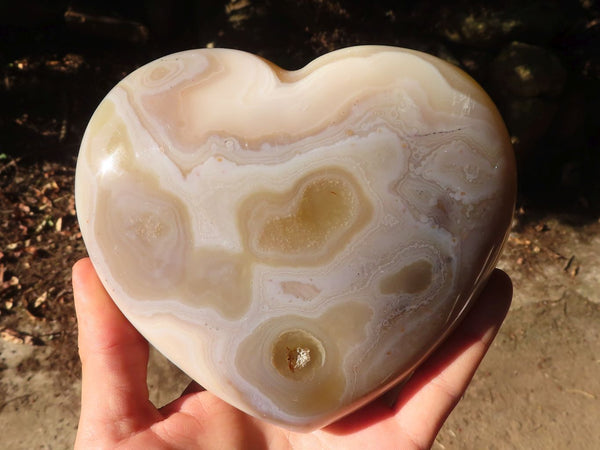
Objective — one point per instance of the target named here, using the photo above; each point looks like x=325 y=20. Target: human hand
x=116 y=411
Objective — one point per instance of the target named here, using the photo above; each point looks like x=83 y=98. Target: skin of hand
x=116 y=411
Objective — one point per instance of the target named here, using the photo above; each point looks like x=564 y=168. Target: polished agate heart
x=296 y=242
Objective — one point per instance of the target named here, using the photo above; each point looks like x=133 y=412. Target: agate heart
x=297 y=242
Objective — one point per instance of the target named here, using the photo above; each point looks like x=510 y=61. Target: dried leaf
x=24 y=208
x=32 y=249
x=41 y=299
x=14 y=281
x=17 y=337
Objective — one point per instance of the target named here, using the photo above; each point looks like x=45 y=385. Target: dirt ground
x=539 y=386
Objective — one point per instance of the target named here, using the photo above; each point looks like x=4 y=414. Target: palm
x=116 y=410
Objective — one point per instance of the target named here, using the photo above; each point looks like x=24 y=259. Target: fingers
x=114 y=357
x=430 y=395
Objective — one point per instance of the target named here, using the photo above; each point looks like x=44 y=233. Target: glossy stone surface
x=297 y=242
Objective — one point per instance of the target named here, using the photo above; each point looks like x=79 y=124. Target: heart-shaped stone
x=297 y=242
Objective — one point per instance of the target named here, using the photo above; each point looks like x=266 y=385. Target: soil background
x=539 y=386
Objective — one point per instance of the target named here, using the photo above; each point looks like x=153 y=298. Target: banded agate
x=297 y=242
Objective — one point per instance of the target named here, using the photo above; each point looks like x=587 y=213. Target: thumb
x=114 y=358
